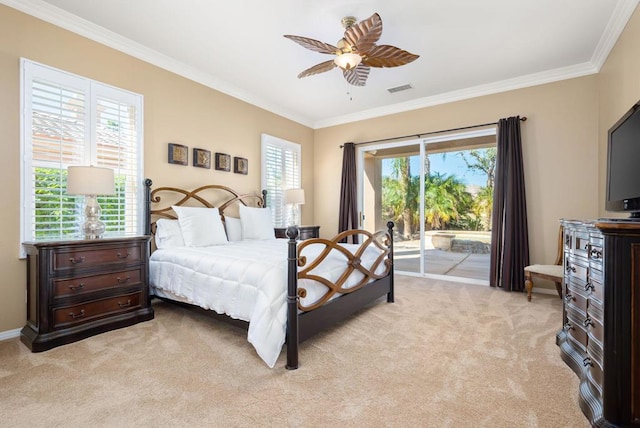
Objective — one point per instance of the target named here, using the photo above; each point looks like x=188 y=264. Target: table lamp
x=91 y=181
x=295 y=198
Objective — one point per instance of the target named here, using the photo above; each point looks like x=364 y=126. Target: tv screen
x=623 y=166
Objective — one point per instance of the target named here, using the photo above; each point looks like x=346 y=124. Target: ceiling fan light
x=347 y=61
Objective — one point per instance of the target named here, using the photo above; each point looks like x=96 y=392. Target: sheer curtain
x=348 y=191
x=509 y=235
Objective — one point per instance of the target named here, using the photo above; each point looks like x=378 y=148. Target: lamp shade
x=90 y=180
x=294 y=196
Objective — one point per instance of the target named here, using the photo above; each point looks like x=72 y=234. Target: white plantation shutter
x=281 y=162
x=69 y=120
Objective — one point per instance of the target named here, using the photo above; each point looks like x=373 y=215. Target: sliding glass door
x=438 y=192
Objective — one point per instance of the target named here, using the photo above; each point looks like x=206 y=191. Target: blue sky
x=450 y=164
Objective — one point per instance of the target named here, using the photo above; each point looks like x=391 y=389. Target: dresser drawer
x=85 y=257
x=576 y=298
x=593 y=363
x=580 y=244
x=575 y=328
x=89 y=283
x=87 y=311
x=577 y=267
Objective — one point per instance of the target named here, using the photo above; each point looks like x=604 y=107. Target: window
x=280 y=171
x=70 y=120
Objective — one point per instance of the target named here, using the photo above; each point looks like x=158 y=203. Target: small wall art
x=202 y=158
x=240 y=165
x=178 y=154
x=223 y=162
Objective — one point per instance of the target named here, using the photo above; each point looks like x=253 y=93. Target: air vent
x=400 y=88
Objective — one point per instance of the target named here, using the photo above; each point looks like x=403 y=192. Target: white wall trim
x=42 y=10
x=10 y=334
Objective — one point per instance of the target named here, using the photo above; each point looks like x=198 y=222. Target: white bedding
x=246 y=280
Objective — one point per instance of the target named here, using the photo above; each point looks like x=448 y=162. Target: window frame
x=94 y=93
x=278 y=199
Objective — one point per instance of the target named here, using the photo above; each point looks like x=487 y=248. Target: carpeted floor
x=443 y=355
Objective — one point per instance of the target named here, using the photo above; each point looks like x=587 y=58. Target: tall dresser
x=79 y=288
x=599 y=338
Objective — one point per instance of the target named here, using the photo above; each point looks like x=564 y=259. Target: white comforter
x=246 y=280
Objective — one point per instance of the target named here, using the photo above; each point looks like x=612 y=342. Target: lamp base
x=92 y=228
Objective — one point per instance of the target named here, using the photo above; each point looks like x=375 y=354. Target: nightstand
x=305 y=232
x=79 y=288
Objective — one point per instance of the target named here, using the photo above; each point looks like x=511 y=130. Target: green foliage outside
x=448 y=204
x=60 y=215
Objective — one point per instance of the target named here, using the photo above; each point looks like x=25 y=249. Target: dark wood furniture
x=600 y=338
x=304 y=232
x=79 y=288
x=302 y=322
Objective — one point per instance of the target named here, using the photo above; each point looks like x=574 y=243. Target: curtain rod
x=524 y=118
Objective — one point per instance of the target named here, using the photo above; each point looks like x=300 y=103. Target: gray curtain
x=348 y=191
x=509 y=235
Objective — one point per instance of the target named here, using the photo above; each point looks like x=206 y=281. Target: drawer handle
x=124 y=305
x=78 y=315
x=596 y=254
x=568 y=326
x=587 y=362
x=587 y=322
x=122 y=281
x=589 y=286
x=568 y=298
x=120 y=256
x=567 y=241
x=76 y=287
x=586 y=246
x=77 y=260
x=570 y=268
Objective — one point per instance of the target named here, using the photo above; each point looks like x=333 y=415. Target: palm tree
x=444 y=197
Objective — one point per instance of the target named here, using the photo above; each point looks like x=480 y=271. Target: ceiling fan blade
x=314 y=45
x=317 y=69
x=357 y=76
x=364 y=34
x=388 y=56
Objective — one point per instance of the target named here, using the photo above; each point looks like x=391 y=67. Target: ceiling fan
x=356 y=52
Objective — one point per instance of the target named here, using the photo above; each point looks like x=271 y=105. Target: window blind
x=280 y=171
x=70 y=120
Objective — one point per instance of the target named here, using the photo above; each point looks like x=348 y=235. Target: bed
x=282 y=290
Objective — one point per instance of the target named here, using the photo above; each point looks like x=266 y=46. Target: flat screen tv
x=623 y=164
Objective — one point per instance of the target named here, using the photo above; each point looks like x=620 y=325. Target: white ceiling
x=467 y=48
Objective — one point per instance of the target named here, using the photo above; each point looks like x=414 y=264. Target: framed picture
x=178 y=154
x=202 y=158
x=223 y=162
x=240 y=165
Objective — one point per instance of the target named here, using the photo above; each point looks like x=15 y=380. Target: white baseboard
x=10 y=334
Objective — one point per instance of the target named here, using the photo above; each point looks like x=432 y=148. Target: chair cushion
x=551 y=270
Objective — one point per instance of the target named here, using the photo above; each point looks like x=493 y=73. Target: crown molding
x=534 y=79
x=618 y=20
x=46 y=12
x=82 y=27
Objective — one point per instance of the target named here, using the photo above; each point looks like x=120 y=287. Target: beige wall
x=175 y=110
x=559 y=147
x=564 y=140
x=619 y=89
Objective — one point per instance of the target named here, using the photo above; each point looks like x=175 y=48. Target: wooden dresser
x=600 y=337
x=79 y=288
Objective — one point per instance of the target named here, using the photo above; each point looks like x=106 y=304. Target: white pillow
x=201 y=227
x=168 y=234
x=256 y=223
x=234 y=229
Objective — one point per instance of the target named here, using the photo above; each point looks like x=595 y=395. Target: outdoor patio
x=466 y=257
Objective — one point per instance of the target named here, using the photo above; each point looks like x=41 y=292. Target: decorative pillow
x=234 y=229
x=256 y=223
x=201 y=227
x=168 y=234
